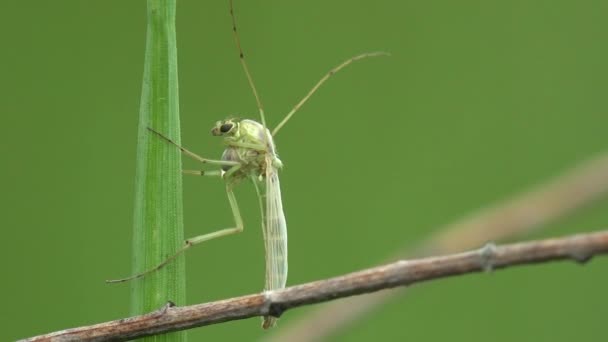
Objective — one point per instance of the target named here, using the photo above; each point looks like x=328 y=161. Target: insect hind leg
x=197 y=239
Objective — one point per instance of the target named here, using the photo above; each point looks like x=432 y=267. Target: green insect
x=251 y=154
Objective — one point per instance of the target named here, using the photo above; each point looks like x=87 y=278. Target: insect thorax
x=253 y=160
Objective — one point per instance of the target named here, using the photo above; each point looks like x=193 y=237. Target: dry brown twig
x=532 y=210
x=579 y=248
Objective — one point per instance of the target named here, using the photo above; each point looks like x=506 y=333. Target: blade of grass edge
x=158 y=218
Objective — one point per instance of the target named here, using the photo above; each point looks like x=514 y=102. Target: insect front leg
x=192 y=154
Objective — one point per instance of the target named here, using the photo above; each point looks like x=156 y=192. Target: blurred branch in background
x=523 y=213
x=579 y=248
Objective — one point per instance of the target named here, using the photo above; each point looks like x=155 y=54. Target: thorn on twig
x=581 y=256
x=487 y=254
x=163 y=310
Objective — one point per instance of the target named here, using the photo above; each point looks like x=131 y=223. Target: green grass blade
x=158 y=219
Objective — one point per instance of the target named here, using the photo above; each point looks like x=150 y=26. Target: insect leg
x=192 y=154
x=197 y=239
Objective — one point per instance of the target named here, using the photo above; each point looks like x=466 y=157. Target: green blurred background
x=479 y=101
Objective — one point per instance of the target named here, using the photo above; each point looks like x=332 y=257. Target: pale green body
x=249 y=154
x=251 y=145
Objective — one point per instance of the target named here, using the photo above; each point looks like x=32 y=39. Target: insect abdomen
x=275 y=240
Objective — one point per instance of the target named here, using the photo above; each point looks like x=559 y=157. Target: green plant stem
x=158 y=219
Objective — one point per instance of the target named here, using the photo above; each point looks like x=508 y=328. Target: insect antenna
x=321 y=81
x=237 y=40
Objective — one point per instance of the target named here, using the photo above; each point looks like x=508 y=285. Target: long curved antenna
x=237 y=40
x=321 y=81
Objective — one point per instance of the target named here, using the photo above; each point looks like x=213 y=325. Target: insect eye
x=225 y=128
